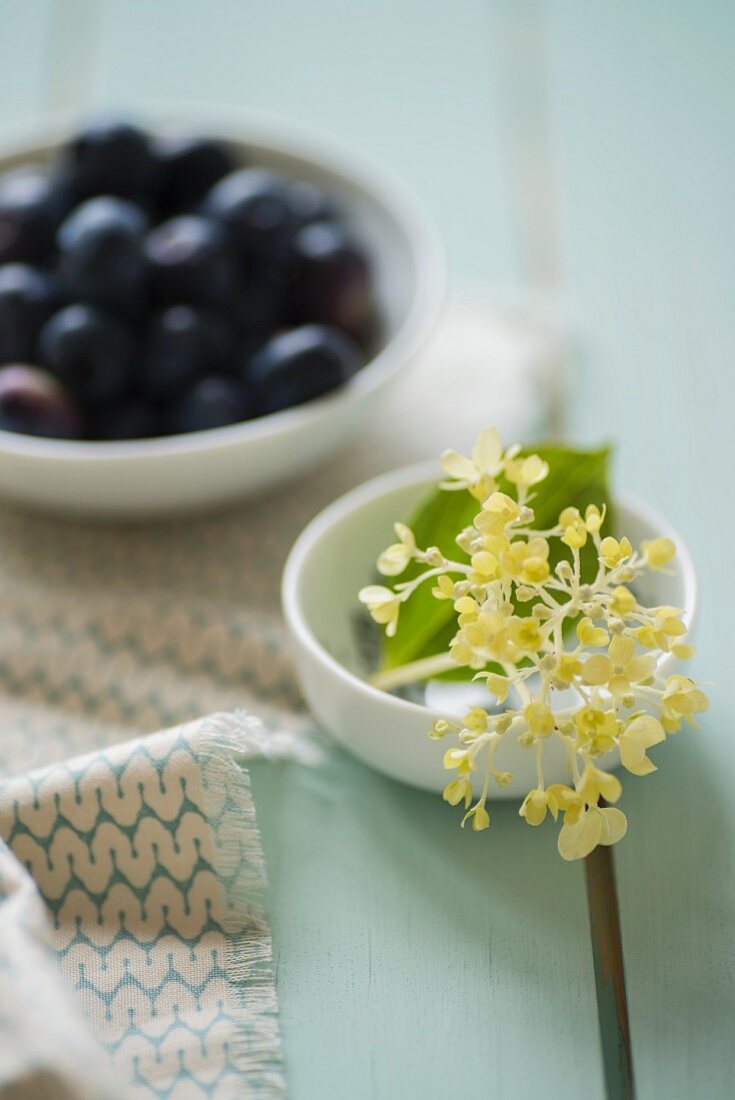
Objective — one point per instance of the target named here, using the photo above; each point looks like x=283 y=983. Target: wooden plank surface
x=643 y=116
x=412 y=959
x=25 y=31
x=410 y=83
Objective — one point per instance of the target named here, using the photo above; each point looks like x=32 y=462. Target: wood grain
x=414 y=960
x=24 y=56
x=417 y=960
x=643 y=115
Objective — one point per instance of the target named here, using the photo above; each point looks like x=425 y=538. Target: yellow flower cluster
x=589 y=636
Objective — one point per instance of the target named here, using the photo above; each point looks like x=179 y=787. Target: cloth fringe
x=225 y=742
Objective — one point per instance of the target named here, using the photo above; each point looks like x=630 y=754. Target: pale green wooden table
x=413 y=960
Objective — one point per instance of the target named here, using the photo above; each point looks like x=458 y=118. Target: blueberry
x=89 y=351
x=33 y=402
x=245 y=349
x=102 y=258
x=100 y=213
x=30 y=210
x=190 y=167
x=212 y=402
x=332 y=282
x=296 y=366
x=261 y=305
x=190 y=261
x=308 y=203
x=27 y=297
x=131 y=418
x=252 y=205
x=109 y=157
x=183 y=342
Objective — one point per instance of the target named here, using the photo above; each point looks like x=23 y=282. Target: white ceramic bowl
x=335 y=556
x=203 y=469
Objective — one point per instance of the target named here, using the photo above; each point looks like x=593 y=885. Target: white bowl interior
x=340 y=562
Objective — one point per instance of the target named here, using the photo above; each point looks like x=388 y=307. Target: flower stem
x=607 y=954
x=413 y=672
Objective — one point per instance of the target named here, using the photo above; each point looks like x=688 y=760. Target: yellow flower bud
x=682 y=698
x=613 y=552
x=439 y=729
x=575 y=535
x=383 y=604
x=591 y=635
x=459 y=759
x=459 y=790
x=476 y=719
x=444 y=588
x=525 y=472
x=594 y=518
x=623 y=601
x=465 y=605
x=658 y=552
x=485 y=565
x=498 y=685
x=535 y=806
x=540 y=719
x=567 y=667
x=395 y=559
x=568 y=517
x=526 y=634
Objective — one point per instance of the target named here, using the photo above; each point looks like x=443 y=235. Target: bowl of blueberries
x=193 y=313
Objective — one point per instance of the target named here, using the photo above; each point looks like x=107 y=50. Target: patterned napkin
x=145 y=852
x=148 y=860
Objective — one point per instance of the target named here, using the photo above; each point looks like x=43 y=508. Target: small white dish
x=335 y=556
x=202 y=469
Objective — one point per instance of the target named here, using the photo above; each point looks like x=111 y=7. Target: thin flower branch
x=622 y=705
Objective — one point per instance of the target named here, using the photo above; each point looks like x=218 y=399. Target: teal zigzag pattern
x=148 y=860
x=139 y=663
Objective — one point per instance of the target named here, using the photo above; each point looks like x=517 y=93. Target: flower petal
x=614 y=825
x=374 y=593
x=597 y=669
x=487 y=451
x=640 y=668
x=639 y=735
x=394 y=560
x=610 y=786
x=619 y=685
x=621 y=649
x=534 y=807
x=578 y=840
x=456 y=465
x=646 y=730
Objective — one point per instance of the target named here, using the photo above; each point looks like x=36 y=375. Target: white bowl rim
x=280 y=137
x=423 y=473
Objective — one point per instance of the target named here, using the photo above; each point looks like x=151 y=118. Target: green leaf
x=427 y=625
